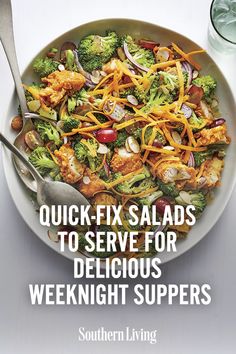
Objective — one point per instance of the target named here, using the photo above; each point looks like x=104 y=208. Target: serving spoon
x=48 y=192
x=7 y=39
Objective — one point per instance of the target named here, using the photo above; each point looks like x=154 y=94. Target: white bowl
x=138 y=29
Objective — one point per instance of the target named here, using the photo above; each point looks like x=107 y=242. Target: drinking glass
x=222 y=27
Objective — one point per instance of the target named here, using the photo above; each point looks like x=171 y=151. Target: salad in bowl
x=127 y=121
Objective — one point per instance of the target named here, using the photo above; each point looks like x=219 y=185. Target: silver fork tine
x=30 y=115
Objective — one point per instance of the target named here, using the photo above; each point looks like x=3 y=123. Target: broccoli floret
x=70 y=61
x=80 y=98
x=101 y=117
x=144 y=57
x=150 y=199
x=81 y=151
x=120 y=141
x=208 y=84
x=197 y=123
x=185 y=75
x=95 y=50
x=168 y=82
x=169 y=189
x=83 y=98
x=69 y=124
x=197 y=199
x=47 y=131
x=71 y=104
x=201 y=156
x=141 y=95
x=137 y=183
x=45 y=66
x=137 y=133
x=42 y=161
x=126 y=92
x=159 y=136
x=86 y=151
x=158 y=95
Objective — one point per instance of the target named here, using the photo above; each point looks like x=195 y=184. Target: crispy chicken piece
x=59 y=83
x=213 y=136
x=212 y=172
x=171 y=171
x=93 y=184
x=103 y=199
x=71 y=169
x=125 y=162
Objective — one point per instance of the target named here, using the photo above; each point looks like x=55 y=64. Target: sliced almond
x=127 y=146
x=176 y=137
x=95 y=79
x=102 y=149
x=102 y=73
x=133 y=144
x=195 y=74
x=61 y=67
x=168 y=147
x=86 y=180
x=185 y=196
x=133 y=100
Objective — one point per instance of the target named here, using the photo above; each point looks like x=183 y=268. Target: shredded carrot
x=129 y=122
x=180 y=146
x=150 y=142
x=93 y=118
x=51 y=154
x=181 y=86
x=171 y=158
x=163 y=65
x=103 y=80
x=201 y=169
x=122 y=179
x=186 y=56
x=88 y=129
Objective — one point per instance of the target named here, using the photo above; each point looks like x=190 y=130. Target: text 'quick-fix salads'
x=128 y=122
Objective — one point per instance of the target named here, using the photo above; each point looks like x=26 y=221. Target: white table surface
x=24 y=258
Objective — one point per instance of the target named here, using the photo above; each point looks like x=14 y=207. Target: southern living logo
x=126 y=335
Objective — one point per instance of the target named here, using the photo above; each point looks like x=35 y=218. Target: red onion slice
x=191 y=161
x=188 y=69
x=131 y=59
x=187 y=111
x=158 y=229
x=107 y=169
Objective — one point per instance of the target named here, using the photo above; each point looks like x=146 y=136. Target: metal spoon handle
x=18 y=154
x=7 y=39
